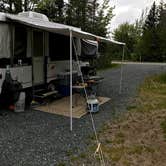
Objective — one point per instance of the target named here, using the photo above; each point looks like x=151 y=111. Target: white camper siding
x=56 y=67
x=22 y=73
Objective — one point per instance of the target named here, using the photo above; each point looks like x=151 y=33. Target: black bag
x=10 y=91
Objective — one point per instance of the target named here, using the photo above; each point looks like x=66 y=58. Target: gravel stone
x=35 y=138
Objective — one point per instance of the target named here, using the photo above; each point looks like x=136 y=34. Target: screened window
x=59 y=47
x=20 y=42
x=38 y=43
x=5 y=45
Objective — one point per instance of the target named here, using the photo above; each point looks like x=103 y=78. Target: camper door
x=38 y=57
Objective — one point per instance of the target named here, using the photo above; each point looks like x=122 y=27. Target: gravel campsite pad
x=43 y=139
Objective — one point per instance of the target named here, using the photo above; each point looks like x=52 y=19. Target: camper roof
x=40 y=21
x=2 y=17
x=34 y=15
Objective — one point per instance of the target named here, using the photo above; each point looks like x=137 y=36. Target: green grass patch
x=137 y=149
x=108 y=67
x=151 y=97
x=152 y=94
x=61 y=164
x=82 y=155
x=161 y=78
x=163 y=126
x=131 y=107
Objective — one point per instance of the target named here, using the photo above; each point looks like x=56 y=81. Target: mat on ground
x=61 y=106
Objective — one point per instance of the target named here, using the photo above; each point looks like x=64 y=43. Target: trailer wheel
x=51 y=86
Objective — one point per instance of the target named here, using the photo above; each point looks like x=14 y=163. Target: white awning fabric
x=58 y=28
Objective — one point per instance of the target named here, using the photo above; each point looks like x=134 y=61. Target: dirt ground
x=36 y=138
x=137 y=138
x=136 y=141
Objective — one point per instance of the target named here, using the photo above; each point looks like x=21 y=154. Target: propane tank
x=93 y=104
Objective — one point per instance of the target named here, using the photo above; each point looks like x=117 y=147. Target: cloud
x=128 y=10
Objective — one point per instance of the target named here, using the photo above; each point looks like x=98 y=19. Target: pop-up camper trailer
x=34 y=52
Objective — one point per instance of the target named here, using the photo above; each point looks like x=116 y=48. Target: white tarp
x=5 y=41
x=58 y=28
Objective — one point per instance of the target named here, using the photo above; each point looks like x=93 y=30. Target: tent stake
x=71 y=97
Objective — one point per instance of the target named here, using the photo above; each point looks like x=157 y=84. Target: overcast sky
x=128 y=10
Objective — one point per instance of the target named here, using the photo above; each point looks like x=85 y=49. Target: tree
x=103 y=19
x=149 y=44
x=16 y=6
x=161 y=30
x=127 y=33
x=53 y=9
x=89 y=15
x=85 y=14
x=76 y=13
x=139 y=24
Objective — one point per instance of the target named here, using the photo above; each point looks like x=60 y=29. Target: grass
x=108 y=67
x=153 y=93
x=163 y=126
x=139 y=137
x=61 y=164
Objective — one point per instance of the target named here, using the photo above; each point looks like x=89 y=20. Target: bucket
x=20 y=105
x=93 y=105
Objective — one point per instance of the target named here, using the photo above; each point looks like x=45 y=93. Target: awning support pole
x=121 y=72
x=71 y=97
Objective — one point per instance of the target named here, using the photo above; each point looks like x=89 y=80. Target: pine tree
x=103 y=18
x=76 y=13
x=149 y=44
x=152 y=18
x=90 y=16
x=162 y=31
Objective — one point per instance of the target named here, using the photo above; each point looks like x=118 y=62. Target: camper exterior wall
x=56 y=67
x=22 y=73
x=18 y=72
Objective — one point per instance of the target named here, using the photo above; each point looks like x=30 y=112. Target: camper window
x=38 y=43
x=20 y=44
x=5 y=45
x=59 y=47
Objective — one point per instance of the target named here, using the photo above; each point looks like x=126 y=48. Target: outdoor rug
x=61 y=106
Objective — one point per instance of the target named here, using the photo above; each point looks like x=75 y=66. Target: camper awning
x=58 y=28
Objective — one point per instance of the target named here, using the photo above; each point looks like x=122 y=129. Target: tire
x=52 y=86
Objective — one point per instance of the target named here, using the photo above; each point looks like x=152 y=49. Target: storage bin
x=64 y=90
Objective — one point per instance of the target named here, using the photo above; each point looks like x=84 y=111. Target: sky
x=128 y=10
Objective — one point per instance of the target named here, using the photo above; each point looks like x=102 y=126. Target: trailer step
x=39 y=90
x=45 y=94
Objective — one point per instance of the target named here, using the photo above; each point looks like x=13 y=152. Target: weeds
x=163 y=126
x=136 y=138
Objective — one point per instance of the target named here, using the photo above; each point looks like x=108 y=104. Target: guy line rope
x=98 y=149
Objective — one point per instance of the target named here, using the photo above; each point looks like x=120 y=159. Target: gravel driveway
x=36 y=138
